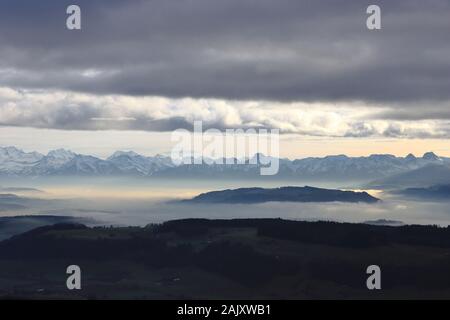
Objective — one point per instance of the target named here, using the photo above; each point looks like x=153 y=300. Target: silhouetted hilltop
x=10 y=226
x=283 y=194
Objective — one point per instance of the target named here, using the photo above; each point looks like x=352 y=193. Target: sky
x=140 y=69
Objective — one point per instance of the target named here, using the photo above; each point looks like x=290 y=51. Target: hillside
x=283 y=194
x=228 y=259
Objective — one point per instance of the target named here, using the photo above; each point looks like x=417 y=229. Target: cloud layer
x=233 y=49
x=307 y=67
x=79 y=111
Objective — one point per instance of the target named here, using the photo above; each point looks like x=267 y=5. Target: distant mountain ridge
x=283 y=194
x=439 y=192
x=427 y=176
x=15 y=162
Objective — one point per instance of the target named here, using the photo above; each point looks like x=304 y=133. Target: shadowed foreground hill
x=230 y=259
x=283 y=194
x=10 y=226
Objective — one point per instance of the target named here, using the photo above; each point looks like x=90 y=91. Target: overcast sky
x=309 y=68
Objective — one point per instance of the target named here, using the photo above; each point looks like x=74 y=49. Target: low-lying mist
x=117 y=201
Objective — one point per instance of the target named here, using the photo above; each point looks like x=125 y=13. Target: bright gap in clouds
x=40 y=120
x=103 y=143
x=76 y=111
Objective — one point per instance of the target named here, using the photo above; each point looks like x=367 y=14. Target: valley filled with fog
x=137 y=201
x=132 y=189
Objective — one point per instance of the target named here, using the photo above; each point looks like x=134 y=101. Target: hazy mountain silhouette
x=439 y=192
x=423 y=177
x=283 y=194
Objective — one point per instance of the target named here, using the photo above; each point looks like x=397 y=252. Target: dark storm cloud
x=277 y=50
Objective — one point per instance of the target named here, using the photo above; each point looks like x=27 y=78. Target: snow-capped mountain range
x=15 y=162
